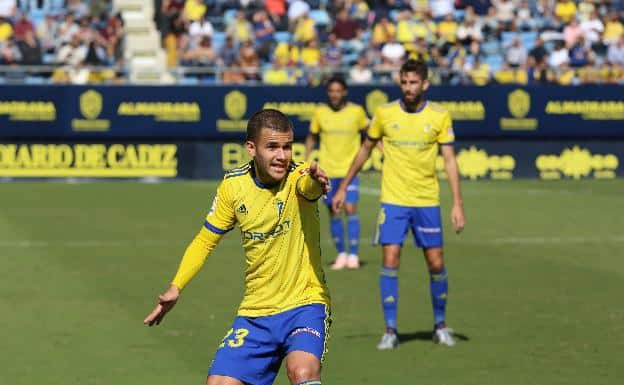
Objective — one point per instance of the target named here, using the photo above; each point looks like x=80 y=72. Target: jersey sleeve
x=221 y=217
x=446 y=135
x=307 y=186
x=195 y=255
x=362 y=119
x=375 y=131
x=315 y=127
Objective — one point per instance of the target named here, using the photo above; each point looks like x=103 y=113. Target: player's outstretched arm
x=320 y=176
x=194 y=257
x=166 y=302
x=458 y=218
x=360 y=158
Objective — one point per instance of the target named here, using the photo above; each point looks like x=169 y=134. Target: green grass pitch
x=535 y=288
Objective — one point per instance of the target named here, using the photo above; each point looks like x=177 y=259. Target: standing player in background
x=412 y=130
x=339 y=125
x=285 y=309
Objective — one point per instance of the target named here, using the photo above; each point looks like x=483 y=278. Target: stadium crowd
x=301 y=42
x=463 y=41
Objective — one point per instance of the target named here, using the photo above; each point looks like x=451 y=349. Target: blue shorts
x=394 y=221
x=252 y=351
x=353 y=190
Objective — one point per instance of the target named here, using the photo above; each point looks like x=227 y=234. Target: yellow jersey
x=280 y=233
x=339 y=133
x=410 y=141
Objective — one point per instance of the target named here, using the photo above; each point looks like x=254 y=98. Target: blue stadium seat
x=218 y=39
x=495 y=62
x=528 y=39
x=459 y=14
x=229 y=16
x=320 y=17
x=282 y=36
x=507 y=37
x=188 y=81
x=491 y=47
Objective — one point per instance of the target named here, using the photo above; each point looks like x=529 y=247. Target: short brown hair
x=269 y=118
x=418 y=66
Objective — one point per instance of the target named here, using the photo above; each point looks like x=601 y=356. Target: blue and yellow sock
x=337 y=233
x=310 y=382
x=439 y=292
x=389 y=288
x=353 y=229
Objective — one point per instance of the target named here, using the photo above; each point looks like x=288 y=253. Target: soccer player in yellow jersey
x=285 y=309
x=339 y=125
x=413 y=130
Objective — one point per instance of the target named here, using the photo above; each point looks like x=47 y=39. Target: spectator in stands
x=240 y=28
x=538 y=52
x=524 y=17
x=6 y=31
x=229 y=52
x=491 y=26
x=263 y=32
x=248 y=61
x=469 y=31
x=304 y=29
x=361 y=72
x=47 y=32
x=393 y=53
x=359 y=11
x=332 y=56
x=447 y=30
x=441 y=8
x=592 y=28
x=194 y=9
x=615 y=54
x=559 y=56
x=202 y=55
x=278 y=74
x=169 y=11
x=73 y=53
x=504 y=13
x=30 y=50
x=383 y=32
x=571 y=32
x=198 y=29
x=613 y=28
x=565 y=11
x=78 y=8
x=296 y=10
x=277 y=11
x=579 y=55
x=112 y=37
x=310 y=54
x=67 y=29
x=404 y=30
x=347 y=31
x=9 y=53
x=22 y=26
x=480 y=7
x=480 y=73
x=8 y=8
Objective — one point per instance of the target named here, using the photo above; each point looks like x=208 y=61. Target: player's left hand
x=319 y=175
x=457 y=218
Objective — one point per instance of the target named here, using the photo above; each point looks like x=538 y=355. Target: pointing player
x=285 y=310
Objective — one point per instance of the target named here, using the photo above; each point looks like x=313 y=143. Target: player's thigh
x=392 y=224
x=334 y=183
x=353 y=191
x=426 y=225
x=307 y=330
x=302 y=366
x=247 y=353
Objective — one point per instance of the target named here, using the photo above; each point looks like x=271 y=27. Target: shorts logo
x=314 y=332
x=429 y=229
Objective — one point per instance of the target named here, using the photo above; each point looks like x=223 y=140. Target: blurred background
x=97 y=92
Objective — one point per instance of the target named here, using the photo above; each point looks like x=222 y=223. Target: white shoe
x=388 y=341
x=444 y=336
x=340 y=262
x=353 y=262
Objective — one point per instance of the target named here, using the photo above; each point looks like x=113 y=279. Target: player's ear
x=251 y=148
x=425 y=85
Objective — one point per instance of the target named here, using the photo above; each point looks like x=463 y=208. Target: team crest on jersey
x=242 y=209
x=280 y=207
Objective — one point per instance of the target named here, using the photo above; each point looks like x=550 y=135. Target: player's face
x=336 y=95
x=412 y=87
x=272 y=153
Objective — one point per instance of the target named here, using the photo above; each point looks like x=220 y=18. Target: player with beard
x=413 y=131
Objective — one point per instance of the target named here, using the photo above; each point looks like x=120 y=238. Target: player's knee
x=300 y=373
x=436 y=265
